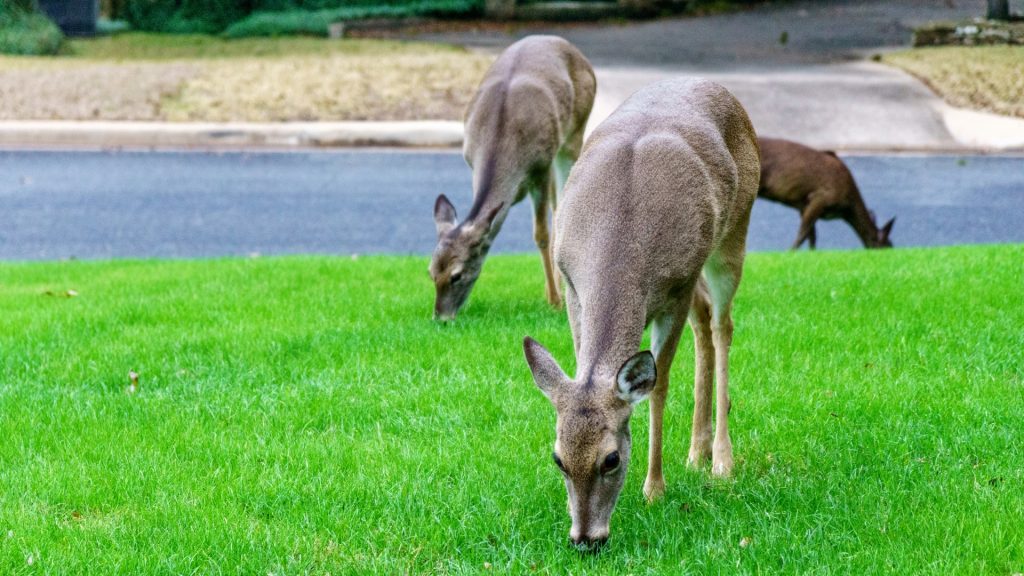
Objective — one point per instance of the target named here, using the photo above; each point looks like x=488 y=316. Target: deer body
x=523 y=132
x=819 y=185
x=662 y=193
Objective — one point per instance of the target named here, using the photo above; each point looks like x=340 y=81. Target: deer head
x=592 y=440
x=881 y=239
x=458 y=256
x=883 y=234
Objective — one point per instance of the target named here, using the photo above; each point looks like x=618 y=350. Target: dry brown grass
x=988 y=78
x=362 y=87
x=293 y=79
x=90 y=92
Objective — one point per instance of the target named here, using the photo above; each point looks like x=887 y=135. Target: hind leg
x=540 y=196
x=704 y=370
x=723 y=278
x=723 y=271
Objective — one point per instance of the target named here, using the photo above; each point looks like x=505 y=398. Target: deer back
x=538 y=92
x=658 y=187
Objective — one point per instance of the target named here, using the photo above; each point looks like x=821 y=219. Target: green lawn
x=305 y=415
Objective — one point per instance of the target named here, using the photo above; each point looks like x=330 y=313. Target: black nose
x=588 y=544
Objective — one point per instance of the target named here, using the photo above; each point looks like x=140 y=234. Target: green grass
x=305 y=415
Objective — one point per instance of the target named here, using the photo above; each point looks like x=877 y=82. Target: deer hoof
x=555 y=301
x=722 y=467
x=654 y=490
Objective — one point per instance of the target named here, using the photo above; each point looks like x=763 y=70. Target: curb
x=425 y=134
x=974 y=132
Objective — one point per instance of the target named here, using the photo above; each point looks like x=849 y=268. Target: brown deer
x=524 y=131
x=661 y=194
x=819 y=185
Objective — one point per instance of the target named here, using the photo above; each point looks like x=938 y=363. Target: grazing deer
x=819 y=185
x=662 y=193
x=524 y=131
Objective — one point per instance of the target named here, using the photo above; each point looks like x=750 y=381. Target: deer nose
x=586 y=543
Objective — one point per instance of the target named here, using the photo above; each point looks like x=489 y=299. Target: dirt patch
x=96 y=92
x=268 y=80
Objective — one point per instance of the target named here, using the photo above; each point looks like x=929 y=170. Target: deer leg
x=812 y=238
x=808 y=217
x=563 y=164
x=723 y=277
x=704 y=370
x=542 y=237
x=665 y=333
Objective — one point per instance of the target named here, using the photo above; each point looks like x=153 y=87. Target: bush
x=24 y=31
x=275 y=17
x=316 y=22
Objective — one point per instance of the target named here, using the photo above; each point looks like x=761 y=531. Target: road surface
x=56 y=205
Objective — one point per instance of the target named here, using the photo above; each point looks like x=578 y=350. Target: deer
x=523 y=133
x=820 y=186
x=651 y=231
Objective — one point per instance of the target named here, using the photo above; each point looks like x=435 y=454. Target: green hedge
x=24 y=31
x=275 y=17
x=316 y=22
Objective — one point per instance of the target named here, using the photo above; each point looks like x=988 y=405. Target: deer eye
x=454 y=278
x=558 y=462
x=610 y=464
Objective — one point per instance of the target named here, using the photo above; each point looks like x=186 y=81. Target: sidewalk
x=856 y=107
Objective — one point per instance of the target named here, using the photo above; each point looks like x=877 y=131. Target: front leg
x=808 y=218
x=542 y=237
x=665 y=333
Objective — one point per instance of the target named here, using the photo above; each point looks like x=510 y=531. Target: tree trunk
x=998 y=9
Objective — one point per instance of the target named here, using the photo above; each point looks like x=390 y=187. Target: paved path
x=817 y=33
x=816 y=88
x=187 y=204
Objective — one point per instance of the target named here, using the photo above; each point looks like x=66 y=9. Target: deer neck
x=863 y=224
x=612 y=323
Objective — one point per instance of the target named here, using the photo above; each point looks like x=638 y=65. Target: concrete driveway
x=800 y=68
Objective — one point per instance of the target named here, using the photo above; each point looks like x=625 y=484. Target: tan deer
x=662 y=192
x=819 y=185
x=524 y=131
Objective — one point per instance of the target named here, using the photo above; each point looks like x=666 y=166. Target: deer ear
x=444 y=215
x=636 y=378
x=888 y=227
x=547 y=374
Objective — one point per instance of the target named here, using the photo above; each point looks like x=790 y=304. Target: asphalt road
x=56 y=205
x=779 y=34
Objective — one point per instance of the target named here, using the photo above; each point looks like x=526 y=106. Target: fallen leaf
x=487 y=565
x=745 y=541
x=133 y=379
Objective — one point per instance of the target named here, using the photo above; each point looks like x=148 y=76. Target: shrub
x=275 y=17
x=26 y=32
x=316 y=22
